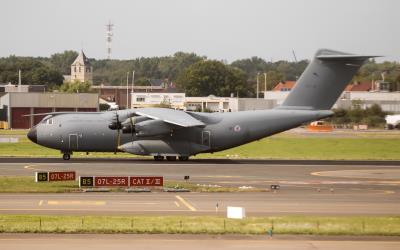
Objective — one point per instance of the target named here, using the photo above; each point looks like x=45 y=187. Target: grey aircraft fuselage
x=162 y=132
x=89 y=132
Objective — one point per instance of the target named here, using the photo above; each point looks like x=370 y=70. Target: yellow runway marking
x=177 y=204
x=93 y=203
x=40 y=202
x=187 y=204
x=389 y=192
x=137 y=203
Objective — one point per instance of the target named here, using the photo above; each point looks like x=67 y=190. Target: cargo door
x=205 y=138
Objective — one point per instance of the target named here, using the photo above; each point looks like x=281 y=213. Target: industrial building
x=14 y=106
x=10 y=88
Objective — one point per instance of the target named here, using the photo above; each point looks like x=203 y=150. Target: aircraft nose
x=32 y=134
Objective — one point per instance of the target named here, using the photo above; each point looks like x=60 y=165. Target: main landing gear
x=170 y=158
x=66 y=156
x=183 y=158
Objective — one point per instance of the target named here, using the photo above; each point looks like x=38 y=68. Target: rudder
x=323 y=80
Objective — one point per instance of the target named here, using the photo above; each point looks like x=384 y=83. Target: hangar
x=13 y=106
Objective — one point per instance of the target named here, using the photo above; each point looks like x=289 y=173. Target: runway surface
x=313 y=188
x=195 y=242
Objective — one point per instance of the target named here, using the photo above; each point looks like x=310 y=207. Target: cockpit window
x=48 y=120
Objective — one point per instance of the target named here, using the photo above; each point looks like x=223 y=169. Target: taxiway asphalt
x=195 y=242
x=312 y=188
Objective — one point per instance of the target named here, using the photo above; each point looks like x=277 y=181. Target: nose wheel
x=158 y=158
x=66 y=156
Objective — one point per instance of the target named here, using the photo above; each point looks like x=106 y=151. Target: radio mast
x=109 y=35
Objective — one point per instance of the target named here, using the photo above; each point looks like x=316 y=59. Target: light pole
x=127 y=89
x=133 y=84
x=265 y=82
x=258 y=84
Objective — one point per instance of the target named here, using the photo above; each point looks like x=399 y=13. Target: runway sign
x=62 y=176
x=41 y=176
x=111 y=181
x=121 y=181
x=86 y=181
x=146 y=181
x=55 y=176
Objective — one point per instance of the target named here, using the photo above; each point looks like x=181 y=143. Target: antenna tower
x=109 y=35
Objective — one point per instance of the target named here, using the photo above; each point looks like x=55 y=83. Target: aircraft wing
x=176 y=117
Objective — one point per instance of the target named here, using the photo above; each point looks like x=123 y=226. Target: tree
x=62 y=61
x=34 y=71
x=75 y=87
x=212 y=78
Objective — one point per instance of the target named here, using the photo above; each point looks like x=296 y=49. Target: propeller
x=116 y=125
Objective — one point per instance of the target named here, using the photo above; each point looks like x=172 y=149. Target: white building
x=211 y=103
x=207 y=103
x=152 y=99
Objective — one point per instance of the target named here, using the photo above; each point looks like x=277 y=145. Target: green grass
x=13 y=131
x=284 y=146
x=312 y=225
x=317 y=148
x=27 y=184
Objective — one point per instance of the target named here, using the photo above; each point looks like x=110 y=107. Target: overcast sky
x=218 y=29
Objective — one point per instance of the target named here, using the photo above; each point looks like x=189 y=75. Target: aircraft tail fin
x=323 y=80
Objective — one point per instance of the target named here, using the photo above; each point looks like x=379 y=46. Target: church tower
x=81 y=70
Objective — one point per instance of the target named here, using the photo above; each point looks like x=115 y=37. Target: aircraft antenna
x=109 y=35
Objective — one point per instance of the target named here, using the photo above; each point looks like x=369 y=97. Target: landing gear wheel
x=171 y=158
x=66 y=157
x=158 y=157
x=183 y=158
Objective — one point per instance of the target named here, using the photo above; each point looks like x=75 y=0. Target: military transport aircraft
x=172 y=133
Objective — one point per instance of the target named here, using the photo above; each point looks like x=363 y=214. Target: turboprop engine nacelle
x=128 y=126
x=157 y=147
x=152 y=128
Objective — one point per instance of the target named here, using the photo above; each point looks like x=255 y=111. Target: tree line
x=197 y=75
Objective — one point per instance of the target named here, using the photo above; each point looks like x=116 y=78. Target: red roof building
x=359 y=86
x=284 y=86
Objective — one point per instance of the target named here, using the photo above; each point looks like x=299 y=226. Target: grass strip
x=284 y=146
x=312 y=225
x=27 y=184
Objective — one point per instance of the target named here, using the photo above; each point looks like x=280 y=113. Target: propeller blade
x=118 y=132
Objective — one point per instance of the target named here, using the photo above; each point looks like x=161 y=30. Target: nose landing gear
x=158 y=157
